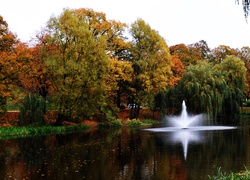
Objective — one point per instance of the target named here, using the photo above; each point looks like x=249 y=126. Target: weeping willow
x=234 y=72
x=215 y=90
x=246 y=7
x=203 y=89
x=31 y=112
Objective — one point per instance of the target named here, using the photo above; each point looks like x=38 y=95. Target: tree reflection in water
x=126 y=153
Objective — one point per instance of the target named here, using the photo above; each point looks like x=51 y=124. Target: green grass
x=113 y=123
x=30 y=131
x=244 y=175
x=130 y=123
x=137 y=122
x=149 y=122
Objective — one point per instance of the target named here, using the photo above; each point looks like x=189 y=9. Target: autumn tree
x=178 y=70
x=203 y=49
x=15 y=60
x=219 y=53
x=116 y=48
x=7 y=62
x=151 y=63
x=34 y=77
x=120 y=76
x=187 y=54
x=79 y=71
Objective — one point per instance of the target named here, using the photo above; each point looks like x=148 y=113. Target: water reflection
x=125 y=154
x=185 y=137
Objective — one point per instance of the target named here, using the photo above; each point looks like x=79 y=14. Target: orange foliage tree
x=178 y=69
x=219 y=53
x=34 y=77
x=8 y=70
x=187 y=54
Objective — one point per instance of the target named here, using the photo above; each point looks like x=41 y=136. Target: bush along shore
x=10 y=128
x=31 y=131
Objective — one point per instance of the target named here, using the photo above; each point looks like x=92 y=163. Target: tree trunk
x=134 y=111
x=59 y=120
x=118 y=100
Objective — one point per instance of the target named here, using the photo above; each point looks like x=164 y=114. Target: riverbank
x=10 y=129
x=29 y=131
x=10 y=118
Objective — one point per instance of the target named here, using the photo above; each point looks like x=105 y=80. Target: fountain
x=185 y=121
x=186 y=128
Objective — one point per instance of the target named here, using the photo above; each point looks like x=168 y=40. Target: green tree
x=79 y=68
x=116 y=49
x=203 y=89
x=120 y=75
x=31 y=111
x=234 y=73
x=99 y=25
x=151 y=63
x=244 y=54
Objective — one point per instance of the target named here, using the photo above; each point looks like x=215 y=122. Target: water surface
x=126 y=153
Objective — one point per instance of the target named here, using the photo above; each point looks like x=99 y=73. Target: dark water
x=126 y=154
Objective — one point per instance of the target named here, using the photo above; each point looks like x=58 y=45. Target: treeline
x=84 y=66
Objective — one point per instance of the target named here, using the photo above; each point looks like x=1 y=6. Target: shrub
x=137 y=122
x=246 y=103
x=31 y=112
x=30 y=131
x=134 y=122
x=149 y=122
x=112 y=123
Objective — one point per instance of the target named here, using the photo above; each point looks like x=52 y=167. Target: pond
x=126 y=153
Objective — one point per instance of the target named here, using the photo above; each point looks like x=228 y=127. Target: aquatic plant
x=244 y=175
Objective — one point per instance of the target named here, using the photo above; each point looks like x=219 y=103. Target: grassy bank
x=244 y=175
x=130 y=123
x=30 y=131
x=18 y=132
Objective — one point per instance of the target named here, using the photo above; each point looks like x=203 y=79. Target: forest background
x=85 y=66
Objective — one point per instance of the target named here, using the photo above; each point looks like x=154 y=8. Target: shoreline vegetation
x=33 y=131
x=243 y=175
x=46 y=130
x=9 y=124
x=10 y=130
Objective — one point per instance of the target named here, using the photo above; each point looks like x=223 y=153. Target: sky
x=218 y=22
